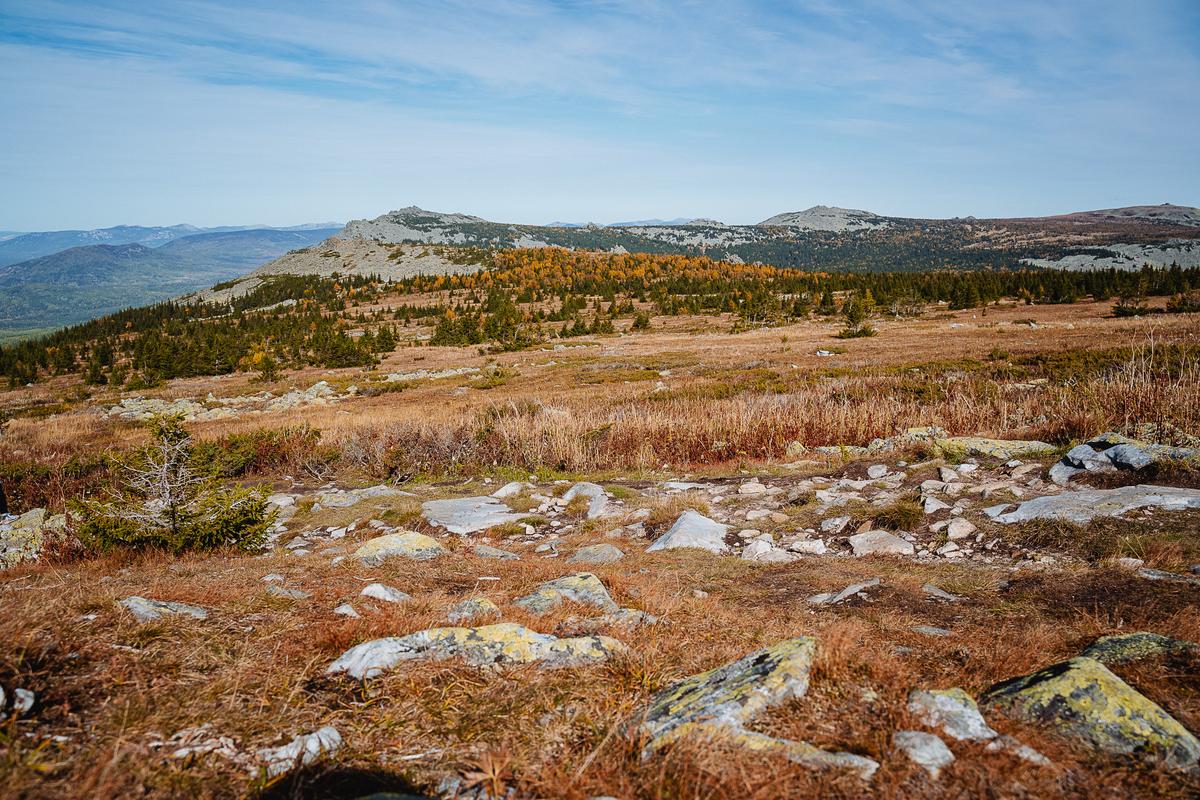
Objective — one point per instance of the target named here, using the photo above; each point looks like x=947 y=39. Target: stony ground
x=869 y=580
x=755 y=504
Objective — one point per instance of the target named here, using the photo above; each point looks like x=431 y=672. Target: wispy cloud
x=793 y=103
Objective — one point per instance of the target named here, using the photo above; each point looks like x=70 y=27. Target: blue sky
x=528 y=111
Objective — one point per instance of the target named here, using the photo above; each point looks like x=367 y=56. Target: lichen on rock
x=490 y=645
x=1084 y=701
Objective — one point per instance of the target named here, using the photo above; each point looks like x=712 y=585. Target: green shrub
x=163 y=502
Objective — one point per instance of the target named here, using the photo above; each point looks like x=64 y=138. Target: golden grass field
x=687 y=398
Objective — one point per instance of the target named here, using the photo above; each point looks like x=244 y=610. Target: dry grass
x=254 y=670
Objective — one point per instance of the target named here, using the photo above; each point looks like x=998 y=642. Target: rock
x=491 y=645
x=1081 y=507
x=472 y=607
x=752 y=488
x=1125 y=647
x=291 y=594
x=721 y=702
x=1083 y=700
x=991 y=512
x=959 y=447
x=145 y=610
x=812 y=547
x=595 y=494
x=948 y=475
x=932 y=505
x=880 y=543
x=301 y=751
x=953 y=712
x=379 y=591
x=693 y=529
x=22 y=538
x=272 y=577
x=23 y=700
x=583 y=587
x=959 y=529
x=1110 y=452
x=487 y=551
x=468 y=514
x=877 y=471
x=346 y=610
x=510 y=489
x=1161 y=575
x=925 y=749
x=339 y=498
x=932 y=630
x=833 y=598
x=940 y=594
x=1007 y=744
x=597 y=554
x=407 y=544
x=834 y=525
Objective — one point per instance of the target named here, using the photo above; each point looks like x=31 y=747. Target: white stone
x=693 y=529
x=595 y=494
x=387 y=594
x=752 y=487
x=924 y=749
x=346 y=610
x=146 y=610
x=468 y=514
x=879 y=543
x=959 y=529
x=301 y=751
x=876 y=471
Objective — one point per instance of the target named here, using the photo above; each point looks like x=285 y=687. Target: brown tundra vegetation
x=181 y=706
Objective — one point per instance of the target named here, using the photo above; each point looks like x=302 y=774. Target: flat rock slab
x=693 y=529
x=721 y=702
x=980 y=446
x=487 y=551
x=146 y=610
x=465 y=515
x=1081 y=507
x=408 y=544
x=1082 y=700
x=583 y=587
x=833 y=598
x=597 y=554
x=880 y=543
x=338 y=498
x=491 y=645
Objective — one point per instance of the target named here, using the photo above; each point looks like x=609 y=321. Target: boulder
x=338 y=498
x=491 y=645
x=146 y=610
x=468 y=514
x=720 y=703
x=408 y=544
x=876 y=543
x=1110 y=452
x=693 y=529
x=597 y=554
x=583 y=587
x=1081 y=507
x=1082 y=700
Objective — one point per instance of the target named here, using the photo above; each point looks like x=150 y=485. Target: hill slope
x=83 y=282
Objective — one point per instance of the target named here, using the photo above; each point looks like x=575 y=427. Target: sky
x=532 y=111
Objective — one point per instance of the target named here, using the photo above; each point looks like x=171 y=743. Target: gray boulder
x=693 y=529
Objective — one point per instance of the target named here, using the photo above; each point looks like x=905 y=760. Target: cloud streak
x=860 y=103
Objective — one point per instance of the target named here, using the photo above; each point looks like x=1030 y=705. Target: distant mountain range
x=637 y=223
x=17 y=247
x=130 y=265
x=83 y=282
